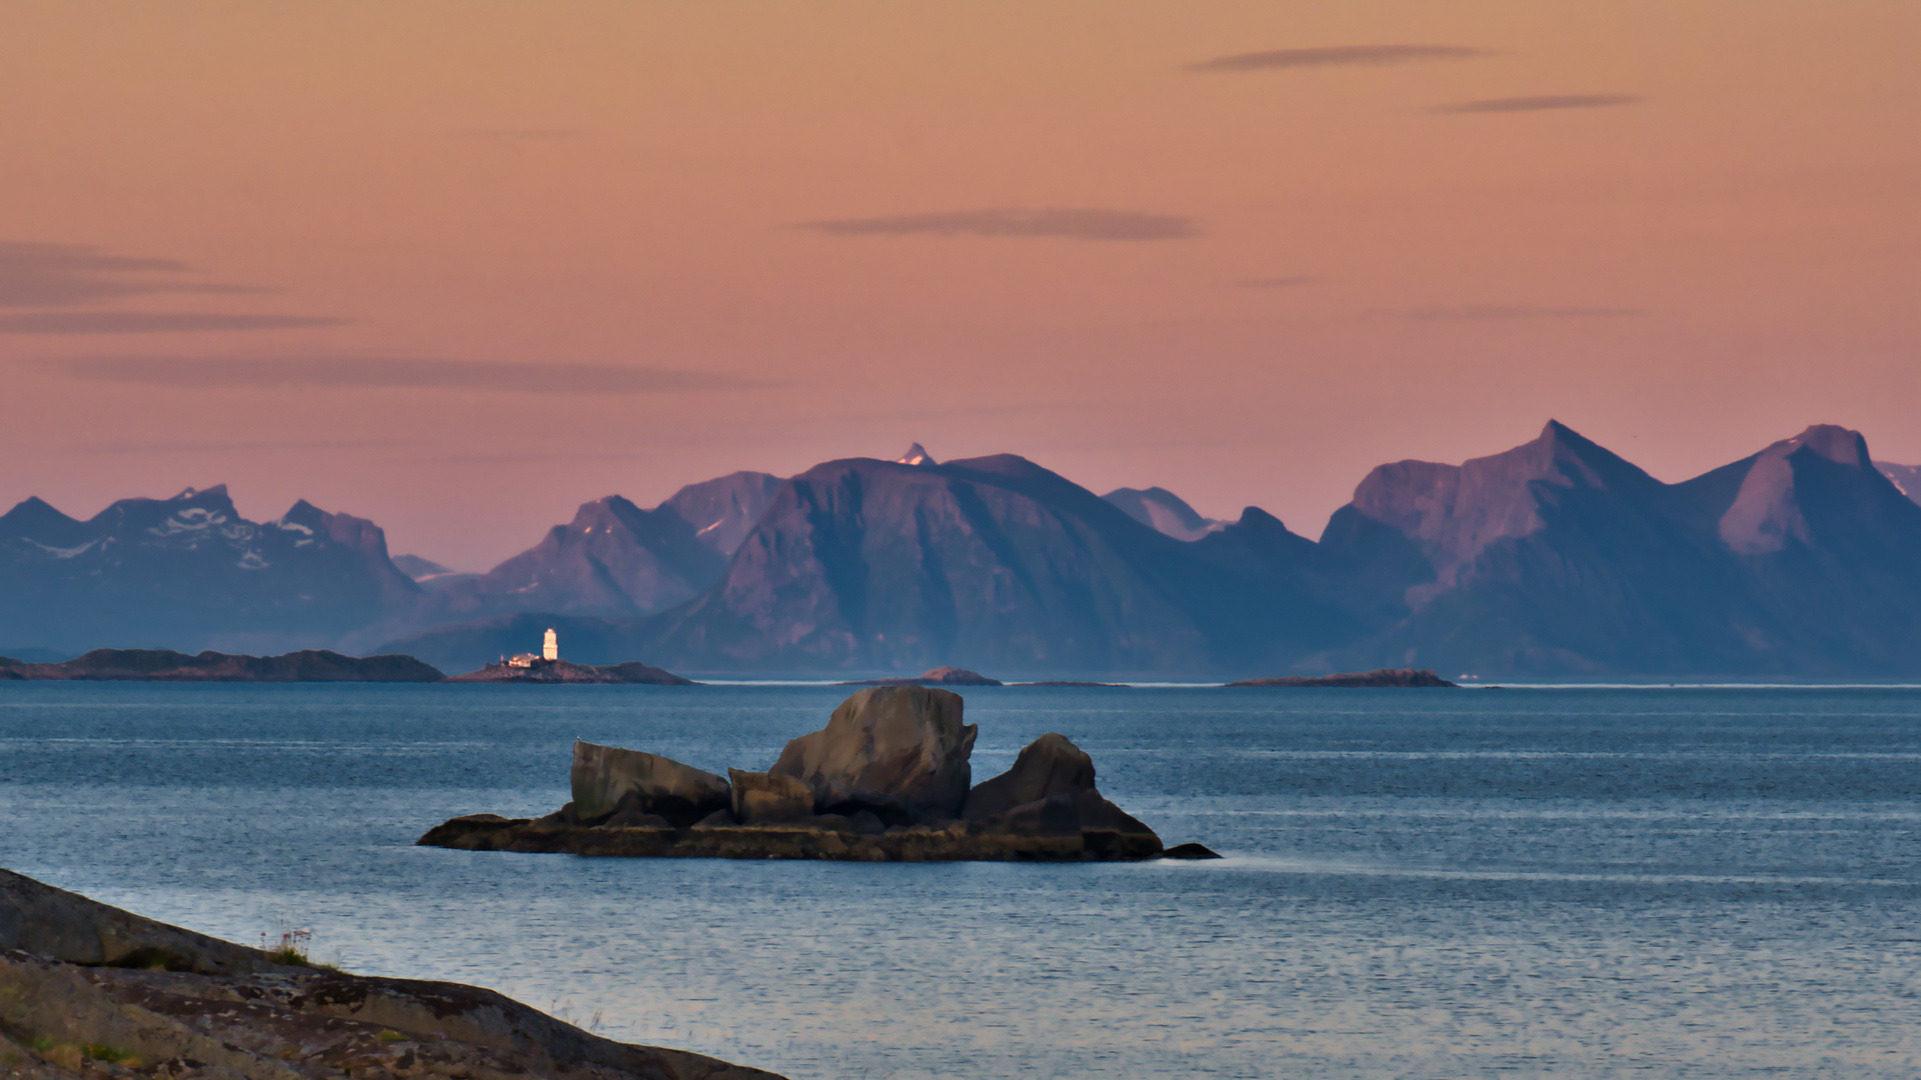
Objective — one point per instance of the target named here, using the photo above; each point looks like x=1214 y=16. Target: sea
x=1578 y=882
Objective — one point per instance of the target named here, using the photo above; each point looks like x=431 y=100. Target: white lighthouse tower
x=550 y=647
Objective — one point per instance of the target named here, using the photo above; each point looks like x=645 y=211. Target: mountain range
x=1555 y=558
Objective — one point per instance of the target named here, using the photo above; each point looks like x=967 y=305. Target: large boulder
x=1050 y=765
x=892 y=749
x=761 y=798
x=608 y=779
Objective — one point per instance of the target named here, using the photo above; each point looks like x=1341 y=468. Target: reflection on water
x=1564 y=883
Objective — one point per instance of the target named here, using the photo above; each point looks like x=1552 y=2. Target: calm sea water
x=1516 y=883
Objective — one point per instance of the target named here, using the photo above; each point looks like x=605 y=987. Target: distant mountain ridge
x=191 y=570
x=1556 y=557
x=614 y=559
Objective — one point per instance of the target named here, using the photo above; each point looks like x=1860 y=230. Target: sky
x=459 y=267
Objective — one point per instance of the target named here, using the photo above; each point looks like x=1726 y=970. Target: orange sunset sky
x=458 y=267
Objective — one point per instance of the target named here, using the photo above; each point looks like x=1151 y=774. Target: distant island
x=321 y=665
x=548 y=667
x=632 y=673
x=940 y=676
x=1383 y=677
x=165 y=665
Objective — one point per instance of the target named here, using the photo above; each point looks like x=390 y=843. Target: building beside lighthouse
x=549 y=650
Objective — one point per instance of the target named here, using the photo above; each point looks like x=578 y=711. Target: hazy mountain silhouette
x=1162 y=510
x=989 y=562
x=613 y=559
x=1557 y=557
x=1905 y=477
x=190 y=572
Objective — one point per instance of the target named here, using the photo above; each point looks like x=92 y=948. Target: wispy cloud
x=364 y=372
x=1541 y=103
x=150 y=322
x=1288 y=282
x=1065 y=224
x=523 y=134
x=1336 y=56
x=1502 y=312
x=34 y=275
x=171 y=446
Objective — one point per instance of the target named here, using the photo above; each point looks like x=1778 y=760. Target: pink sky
x=458 y=267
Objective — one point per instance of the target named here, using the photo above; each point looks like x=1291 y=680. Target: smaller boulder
x=1050 y=765
x=608 y=778
x=760 y=798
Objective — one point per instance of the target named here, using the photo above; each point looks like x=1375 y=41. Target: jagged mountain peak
x=1767 y=510
x=916 y=455
x=1843 y=446
x=723 y=510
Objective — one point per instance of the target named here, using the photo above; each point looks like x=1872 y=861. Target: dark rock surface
x=1384 y=677
x=760 y=798
x=887 y=749
x=87 y=990
x=1050 y=765
x=607 y=779
x=886 y=780
x=164 y=665
x=566 y=671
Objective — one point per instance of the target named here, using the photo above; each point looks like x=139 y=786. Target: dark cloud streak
x=36 y=275
x=1505 y=312
x=1541 y=103
x=394 y=373
x=1276 y=282
x=151 y=322
x=1335 y=56
x=1057 y=223
x=162 y=446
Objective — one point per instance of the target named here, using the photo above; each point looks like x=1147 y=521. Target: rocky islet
x=888 y=779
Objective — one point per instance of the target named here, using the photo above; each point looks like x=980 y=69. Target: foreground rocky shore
x=92 y=991
x=888 y=779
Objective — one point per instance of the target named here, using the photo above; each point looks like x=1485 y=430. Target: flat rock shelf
x=800 y=840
